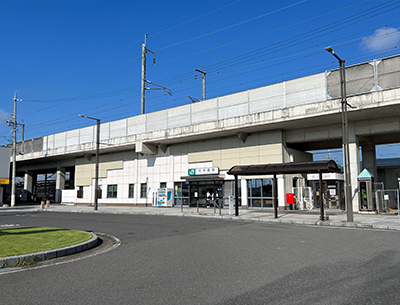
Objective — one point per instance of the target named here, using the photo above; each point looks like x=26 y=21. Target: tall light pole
x=345 y=136
x=96 y=181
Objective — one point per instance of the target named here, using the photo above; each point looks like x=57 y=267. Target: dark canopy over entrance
x=319 y=167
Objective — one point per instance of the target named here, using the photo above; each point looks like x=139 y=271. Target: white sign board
x=203 y=171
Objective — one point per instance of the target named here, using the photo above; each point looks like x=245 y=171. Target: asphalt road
x=182 y=260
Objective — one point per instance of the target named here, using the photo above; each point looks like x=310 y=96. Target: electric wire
x=262 y=34
x=232 y=25
x=102 y=87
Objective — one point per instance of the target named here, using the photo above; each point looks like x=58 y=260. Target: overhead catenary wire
x=209 y=74
x=211 y=32
x=183 y=90
x=231 y=26
x=129 y=104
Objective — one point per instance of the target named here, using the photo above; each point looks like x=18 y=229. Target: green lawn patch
x=17 y=241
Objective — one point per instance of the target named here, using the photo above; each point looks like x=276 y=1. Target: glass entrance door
x=207 y=192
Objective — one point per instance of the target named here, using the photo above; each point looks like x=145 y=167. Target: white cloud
x=382 y=39
x=4 y=115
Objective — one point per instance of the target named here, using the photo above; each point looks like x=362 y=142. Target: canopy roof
x=328 y=166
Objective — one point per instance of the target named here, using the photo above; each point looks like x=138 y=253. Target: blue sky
x=72 y=57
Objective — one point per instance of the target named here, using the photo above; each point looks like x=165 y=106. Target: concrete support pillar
x=60 y=184
x=28 y=186
x=243 y=193
x=281 y=193
x=369 y=158
x=354 y=156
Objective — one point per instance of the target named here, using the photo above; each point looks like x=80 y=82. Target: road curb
x=326 y=223
x=49 y=254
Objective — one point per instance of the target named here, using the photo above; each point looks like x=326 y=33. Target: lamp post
x=345 y=136
x=96 y=181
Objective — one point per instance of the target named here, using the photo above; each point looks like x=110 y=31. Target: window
x=181 y=193
x=80 y=192
x=112 y=191
x=143 y=190
x=260 y=193
x=131 y=191
x=163 y=185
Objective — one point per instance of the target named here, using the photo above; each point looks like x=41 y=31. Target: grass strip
x=17 y=241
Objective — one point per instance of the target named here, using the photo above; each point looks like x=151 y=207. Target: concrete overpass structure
x=262 y=125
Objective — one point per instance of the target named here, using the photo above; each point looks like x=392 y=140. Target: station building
x=190 y=148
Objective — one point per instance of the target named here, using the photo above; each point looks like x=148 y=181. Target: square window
x=112 y=191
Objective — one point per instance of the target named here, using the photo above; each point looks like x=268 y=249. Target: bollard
x=42 y=204
x=47 y=203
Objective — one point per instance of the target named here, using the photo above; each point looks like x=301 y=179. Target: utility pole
x=144 y=50
x=203 y=75
x=14 y=149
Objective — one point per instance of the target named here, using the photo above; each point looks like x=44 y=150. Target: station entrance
x=206 y=193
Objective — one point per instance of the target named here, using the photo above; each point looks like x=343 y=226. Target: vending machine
x=164 y=197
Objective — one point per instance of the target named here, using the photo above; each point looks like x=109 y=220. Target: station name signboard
x=203 y=171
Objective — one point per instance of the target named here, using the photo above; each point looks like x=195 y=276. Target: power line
x=82 y=96
x=231 y=26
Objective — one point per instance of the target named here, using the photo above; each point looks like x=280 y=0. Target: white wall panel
x=233 y=99
x=60 y=140
x=118 y=129
x=205 y=111
x=233 y=111
x=179 y=116
x=136 y=124
x=267 y=98
x=87 y=134
x=305 y=90
x=104 y=132
x=156 y=121
x=50 y=141
x=73 y=137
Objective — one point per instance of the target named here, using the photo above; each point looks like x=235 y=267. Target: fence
x=304 y=198
x=387 y=201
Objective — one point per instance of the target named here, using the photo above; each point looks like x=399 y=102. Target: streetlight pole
x=345 y=136
x=96 y=181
